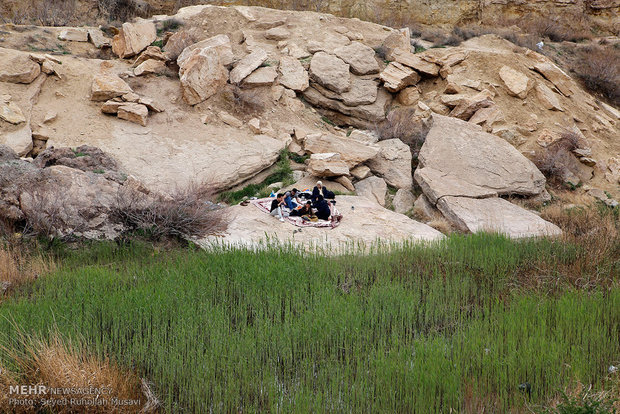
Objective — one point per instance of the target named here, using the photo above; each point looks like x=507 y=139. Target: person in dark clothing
x=277 y=206
x=316 y=191
x=323 y=210
x=321 y=190
x=305 y=210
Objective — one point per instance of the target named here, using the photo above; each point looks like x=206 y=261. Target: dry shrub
x=17 y=266
x=573 y=28
x=56 y=363
x=186 y=212
x=123 y=10
x=591 y=240
x=441 y=224
x=599 y=69
x=402 y=123
x=579 y=398
x=550 y=161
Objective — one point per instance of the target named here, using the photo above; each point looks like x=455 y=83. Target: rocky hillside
x=215 y=94
x=598 y=14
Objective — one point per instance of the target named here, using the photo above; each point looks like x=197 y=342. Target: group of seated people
x=289 y=204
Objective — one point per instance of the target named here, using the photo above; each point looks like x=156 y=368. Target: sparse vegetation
x=282 y=173
x=402 y=123
x=599 y=69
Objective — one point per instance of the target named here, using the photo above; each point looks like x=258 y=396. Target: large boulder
x=73 y=201
x=17 y=67
x=360 y=58
x=106 y=86
x=327 y=165
x=494 y=215
x=373 y=188
x=202 y=75
x=247 y=65
x=64 y=191
x=133 y=38
x=351 y=151
x=460 y=159
x=393 y=163
x=365 y=222
x=330 y=71
x=292 y=74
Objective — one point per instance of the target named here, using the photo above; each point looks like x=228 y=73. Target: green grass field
x=454 y=326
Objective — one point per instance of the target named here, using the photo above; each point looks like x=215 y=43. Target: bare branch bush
x=402 y=123
x=186 y=212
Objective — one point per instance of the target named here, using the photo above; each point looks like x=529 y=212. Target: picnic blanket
x=264 y=204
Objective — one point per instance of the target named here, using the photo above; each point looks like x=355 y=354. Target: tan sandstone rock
x=393 y=163
x=292 y=74
x=403 y=201
x=150 y=53
x=547 y=97
x=360 y=58
x=397 y=40
x=73 y=34
x=150 y=66
x=133 y=112
x=11 y=112
x=133 y=38
x=351 y=151
x=494 y=215
x=556 y=76
x=107 y=86
x=330 y=71
x=247 y=65
x=19 y=140
x=16 y=67
x=460 y=159
x=409 y=96
x=327 y=165
x=264 y=76
x=516 y=82
x=373 y=188
x=397 y=76
x=407 y=58
x=221 y=43
x=202 y=75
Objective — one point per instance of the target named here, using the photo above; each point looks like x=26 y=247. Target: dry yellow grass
x=58 y=364
x=17 y=267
